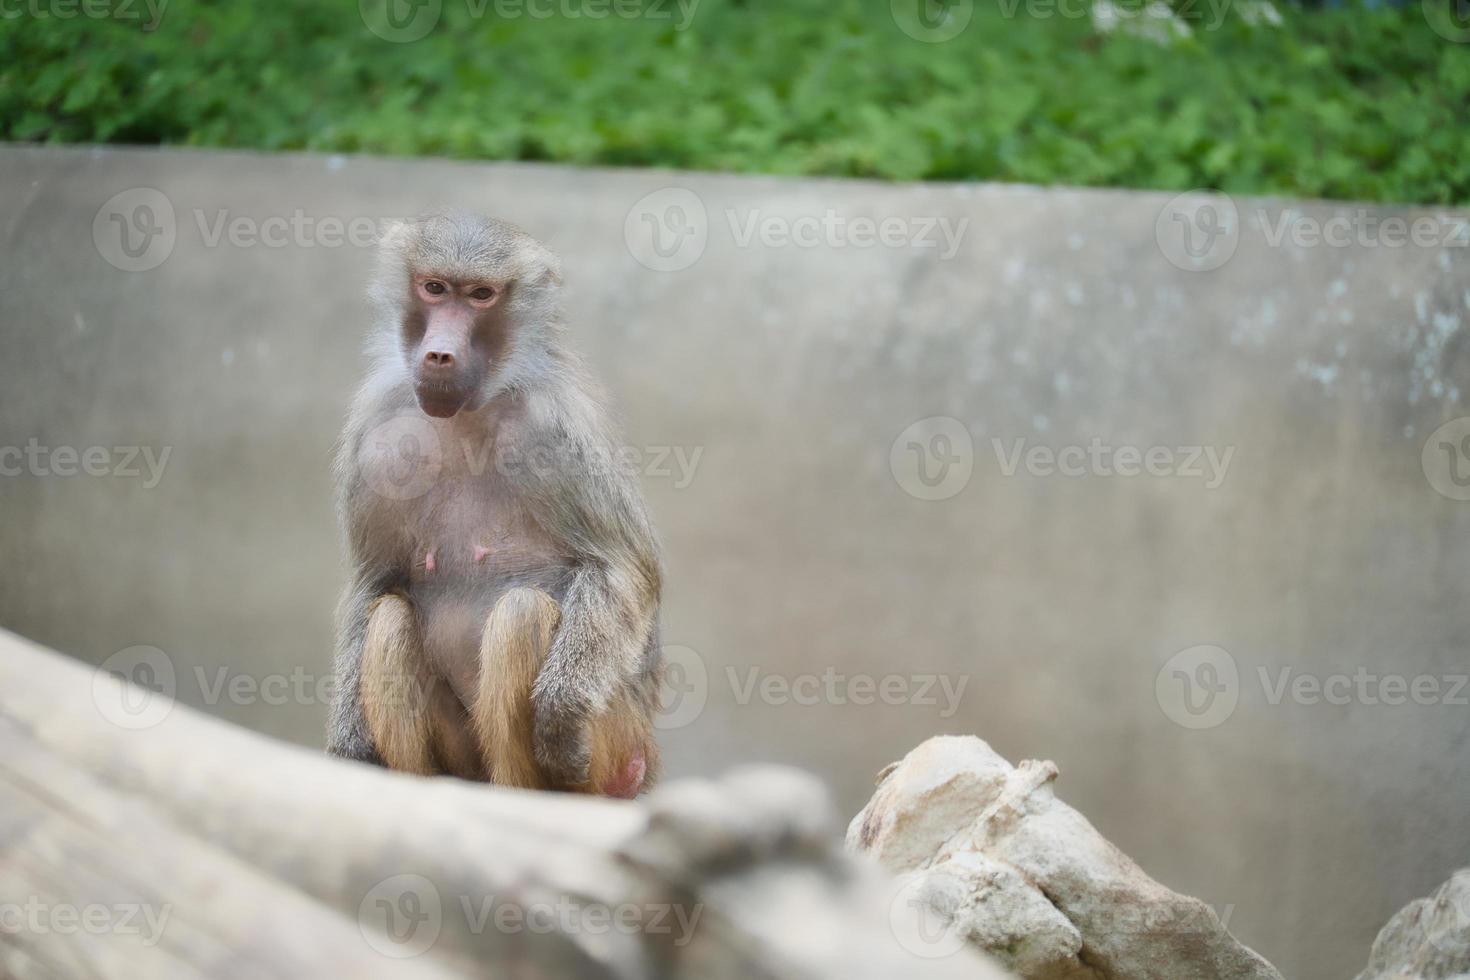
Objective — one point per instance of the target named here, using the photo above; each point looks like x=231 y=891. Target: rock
x=1429 y=939
x=989 y=849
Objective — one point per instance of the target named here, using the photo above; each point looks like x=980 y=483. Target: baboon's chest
x=466 y=540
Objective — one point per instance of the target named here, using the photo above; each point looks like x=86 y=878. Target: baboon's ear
x=541 y=266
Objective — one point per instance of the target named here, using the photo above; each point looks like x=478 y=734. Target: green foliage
x=1356 y=104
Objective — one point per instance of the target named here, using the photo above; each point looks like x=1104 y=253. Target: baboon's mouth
x=441 y=403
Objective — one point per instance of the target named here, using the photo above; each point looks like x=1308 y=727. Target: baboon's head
x=470 y=301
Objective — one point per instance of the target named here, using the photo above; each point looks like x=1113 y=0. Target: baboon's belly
x=470 y=543
x=453 y=605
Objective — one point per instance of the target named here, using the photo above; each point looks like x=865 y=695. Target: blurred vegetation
x=1345 y=103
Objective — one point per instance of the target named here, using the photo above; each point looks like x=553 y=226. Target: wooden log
x=277 y=861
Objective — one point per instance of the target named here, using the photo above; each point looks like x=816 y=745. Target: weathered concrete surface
x=794 y=548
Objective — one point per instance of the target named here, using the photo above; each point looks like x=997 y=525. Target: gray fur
x=537 y=406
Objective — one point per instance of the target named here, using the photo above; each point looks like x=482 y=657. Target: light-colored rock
x=1429 y=939
x=993 y=906
x=1018 y=873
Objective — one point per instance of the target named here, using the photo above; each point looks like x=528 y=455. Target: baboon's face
x=455 y=330
x=470 y=295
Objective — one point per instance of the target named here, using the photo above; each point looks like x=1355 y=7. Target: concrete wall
x=1080 y=612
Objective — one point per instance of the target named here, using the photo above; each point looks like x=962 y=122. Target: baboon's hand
x=561 y=735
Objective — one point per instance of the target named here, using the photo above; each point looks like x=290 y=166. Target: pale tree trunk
x=190 y=847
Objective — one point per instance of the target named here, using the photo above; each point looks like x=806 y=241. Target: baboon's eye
x=483 y=293
x=434 y=287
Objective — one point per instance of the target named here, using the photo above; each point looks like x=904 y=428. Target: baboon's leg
x=515 y=642
x=624 y=753
x=396 y=687
x=456 y=748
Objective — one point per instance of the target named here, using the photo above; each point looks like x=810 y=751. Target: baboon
x=501 y=621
